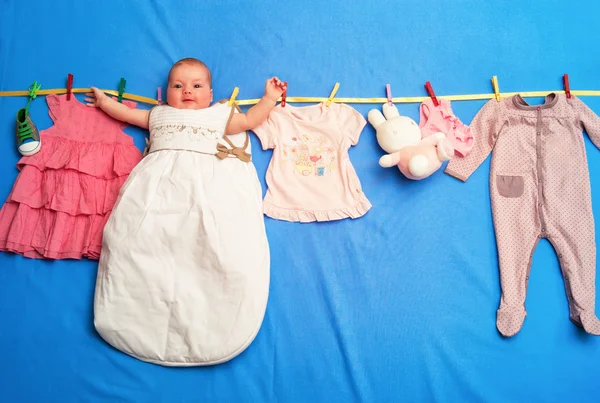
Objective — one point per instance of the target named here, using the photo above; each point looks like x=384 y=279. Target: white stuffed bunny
x=401 y=138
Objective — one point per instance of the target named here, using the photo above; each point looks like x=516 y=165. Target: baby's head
x=190 y=85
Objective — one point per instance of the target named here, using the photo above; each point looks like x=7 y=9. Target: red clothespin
x=431 y=93
x=284 y=95
x=159 y=95
x=388 y=91
x=567 y=86
x=69 y=86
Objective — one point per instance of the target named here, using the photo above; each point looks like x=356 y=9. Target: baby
x=190 y=87
x=183 y=276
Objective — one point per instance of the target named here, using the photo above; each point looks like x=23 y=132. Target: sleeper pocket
x=510 y=185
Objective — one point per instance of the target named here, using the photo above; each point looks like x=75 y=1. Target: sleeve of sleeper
x=589 y=120
x=485 y=128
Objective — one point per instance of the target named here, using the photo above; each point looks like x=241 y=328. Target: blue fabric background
x=399 y=305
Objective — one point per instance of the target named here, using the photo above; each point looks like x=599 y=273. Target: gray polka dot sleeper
x=539 y=188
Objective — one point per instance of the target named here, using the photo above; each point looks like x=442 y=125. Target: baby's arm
x=258 y=113
x=116 y=110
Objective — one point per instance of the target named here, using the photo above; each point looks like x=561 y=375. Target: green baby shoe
x=28 y=137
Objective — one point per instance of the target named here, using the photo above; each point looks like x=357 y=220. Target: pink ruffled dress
x=64 y=194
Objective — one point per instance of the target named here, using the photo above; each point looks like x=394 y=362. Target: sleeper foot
x=509 y=320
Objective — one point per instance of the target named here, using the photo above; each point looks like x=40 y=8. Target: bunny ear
x=390 y=111
x=375 y=118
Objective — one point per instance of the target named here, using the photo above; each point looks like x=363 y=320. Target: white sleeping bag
x=183 y=276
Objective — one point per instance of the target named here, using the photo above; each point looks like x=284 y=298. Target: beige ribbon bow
x=239 y=152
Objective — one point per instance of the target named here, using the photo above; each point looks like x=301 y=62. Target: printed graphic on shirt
x=196 y=133
x=311 y=155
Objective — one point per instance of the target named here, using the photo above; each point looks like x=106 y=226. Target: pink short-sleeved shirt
x=310 y=177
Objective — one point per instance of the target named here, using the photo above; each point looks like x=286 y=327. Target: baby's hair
x=192 y=61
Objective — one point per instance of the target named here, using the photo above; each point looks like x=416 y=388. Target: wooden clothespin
x=388 y=91
x=284 y=95
x=69 y=86
x=121 y=90
x=496 y=88
x=234 y=94
x=159 y=95
x=335 y=89
x=567 y=85
x=431 y=93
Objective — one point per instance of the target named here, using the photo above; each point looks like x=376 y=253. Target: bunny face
x=395 y=132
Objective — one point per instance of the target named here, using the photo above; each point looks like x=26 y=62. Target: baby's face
x=189 y=87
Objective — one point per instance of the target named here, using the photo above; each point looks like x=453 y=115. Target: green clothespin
x=33 y=89
x=121 y=90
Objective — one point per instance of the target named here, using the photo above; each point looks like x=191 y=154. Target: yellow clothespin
x=496 y=88
x=233 y=95
x=335 y=88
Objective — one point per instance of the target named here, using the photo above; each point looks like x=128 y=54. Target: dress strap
x=239 y=152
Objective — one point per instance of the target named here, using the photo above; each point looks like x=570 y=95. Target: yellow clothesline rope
x=397 y=100
x=59 y=91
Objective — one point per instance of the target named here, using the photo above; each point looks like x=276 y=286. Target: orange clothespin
x=69 y=86
x=431 y=93
x=567 y=86
x=388 y=91
x=496 y=88
x=284 y=95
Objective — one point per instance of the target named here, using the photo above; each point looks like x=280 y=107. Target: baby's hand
x=274 y=88
x=96 y=99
